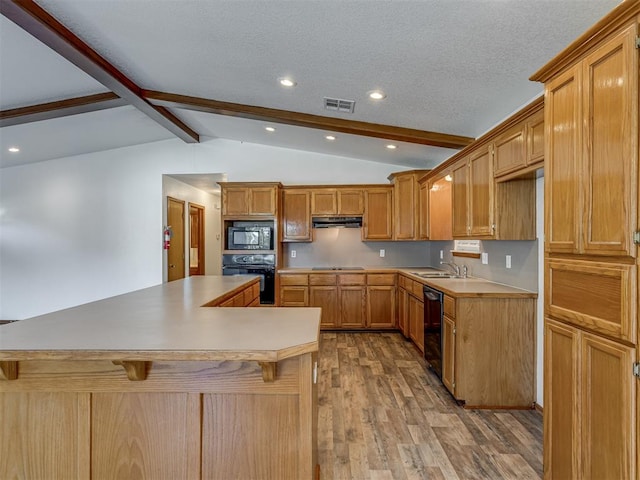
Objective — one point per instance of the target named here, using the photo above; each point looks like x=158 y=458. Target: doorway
x=196 y=239
x=175 y=253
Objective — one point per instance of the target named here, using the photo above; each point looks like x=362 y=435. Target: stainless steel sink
x=433 y=274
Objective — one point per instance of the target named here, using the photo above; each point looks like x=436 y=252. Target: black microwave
x=250 y=238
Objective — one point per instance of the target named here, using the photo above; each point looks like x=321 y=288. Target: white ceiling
x=449 y=66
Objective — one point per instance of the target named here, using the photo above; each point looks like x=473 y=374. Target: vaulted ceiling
x=78 y=76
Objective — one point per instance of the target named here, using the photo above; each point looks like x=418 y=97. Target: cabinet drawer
x=352 y=279
x=293 y=279
x=417 y=289
x=598 y=296
x=449 y=306
x=322 y=279
x=381 y=279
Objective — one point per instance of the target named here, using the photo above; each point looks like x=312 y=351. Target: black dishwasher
x=433 y=311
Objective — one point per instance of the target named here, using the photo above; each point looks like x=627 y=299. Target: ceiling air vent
x=339 y=105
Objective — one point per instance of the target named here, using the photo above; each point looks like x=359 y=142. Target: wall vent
x=339 y=105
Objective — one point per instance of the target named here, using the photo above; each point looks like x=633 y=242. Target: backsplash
x=343 y=247
x=524 y=261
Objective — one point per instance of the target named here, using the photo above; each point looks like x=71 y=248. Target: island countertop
x=165 y=322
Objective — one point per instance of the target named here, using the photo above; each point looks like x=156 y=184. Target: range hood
x=337 y=222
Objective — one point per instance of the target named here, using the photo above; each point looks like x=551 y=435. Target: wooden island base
x=188 y=419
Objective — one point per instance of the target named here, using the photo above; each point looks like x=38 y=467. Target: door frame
x=200 y=270
x=176 y=231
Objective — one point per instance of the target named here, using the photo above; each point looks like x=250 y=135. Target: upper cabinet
x=591 y=178
x=250 y=199
x=296 y=221
x=473 y=195
x=520 y=148
x=406 y=204
x=378 y=207
x=337 y=201
x=440 y=216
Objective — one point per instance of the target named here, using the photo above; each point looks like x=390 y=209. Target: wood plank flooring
x=383 y=416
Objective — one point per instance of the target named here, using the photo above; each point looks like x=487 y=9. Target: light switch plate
x=508 y=261
x=382 y=252
x=293 y=254
x=485 y=258
x=441 y=254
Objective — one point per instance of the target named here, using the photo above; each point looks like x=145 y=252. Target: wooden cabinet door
x=460 y=196
x=561 y=439
x=607 y=403
x=235 y=201
x=610 y=147
x=449 y=354
x=416 y=322
x=263 y=201
x=377 y=221
x=350 y=202
x=535 y=138
x=423 y=211
x=403 y=312
x=563 y=138
x=405 y=208
x=381 y=306
x=509 y=151
x=294 y=296
x=326 y=297
x=440 y=211
x=352 y=306
x=296 y=221
x=324 y=202
x=481 y=192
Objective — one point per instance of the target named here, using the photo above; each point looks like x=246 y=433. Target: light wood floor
x=382 y=415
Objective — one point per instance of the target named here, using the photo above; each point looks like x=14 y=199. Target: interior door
x=175 y=254
x=196 y=239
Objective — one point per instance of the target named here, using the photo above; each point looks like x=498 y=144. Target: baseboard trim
x=538 y=407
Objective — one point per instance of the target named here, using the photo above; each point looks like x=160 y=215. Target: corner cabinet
x=591 y=262
x=406 y=204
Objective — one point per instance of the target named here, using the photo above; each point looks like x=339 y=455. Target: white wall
x=78 y=229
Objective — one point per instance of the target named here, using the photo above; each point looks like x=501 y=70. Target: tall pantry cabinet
x=591 y=383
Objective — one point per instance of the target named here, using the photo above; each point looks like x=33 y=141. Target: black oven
x=433 y=313
x=256 y=264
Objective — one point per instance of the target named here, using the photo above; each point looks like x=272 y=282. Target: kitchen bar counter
x=202 y=392
x=456 y=287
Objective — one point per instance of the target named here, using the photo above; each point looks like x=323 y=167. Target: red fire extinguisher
x=167 y=237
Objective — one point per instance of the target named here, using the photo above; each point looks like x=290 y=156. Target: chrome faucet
x=454 y=266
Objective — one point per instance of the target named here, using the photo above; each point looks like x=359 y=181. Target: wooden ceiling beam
x=35 y=20
x=409 y=135
x=60 y=108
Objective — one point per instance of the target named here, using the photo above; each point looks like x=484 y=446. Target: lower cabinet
x=348 y=300
x=247 y=297
x=489 y=351
x=589 y=405
x=403 y=310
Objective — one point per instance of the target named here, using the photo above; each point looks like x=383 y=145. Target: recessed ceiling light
x=286 y=82
x=270 y=129
x=391 y=146
x=14 y=149
x=376 y=95
x=330 y=137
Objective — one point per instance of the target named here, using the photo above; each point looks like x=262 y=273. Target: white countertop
x=166 y=322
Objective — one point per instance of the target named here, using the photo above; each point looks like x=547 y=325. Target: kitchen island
x=151 y=384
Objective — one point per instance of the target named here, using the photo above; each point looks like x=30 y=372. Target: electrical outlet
x=441 y=254
x=485 y=258
x=382 y=252
x=293 y=254
x=508 y=261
